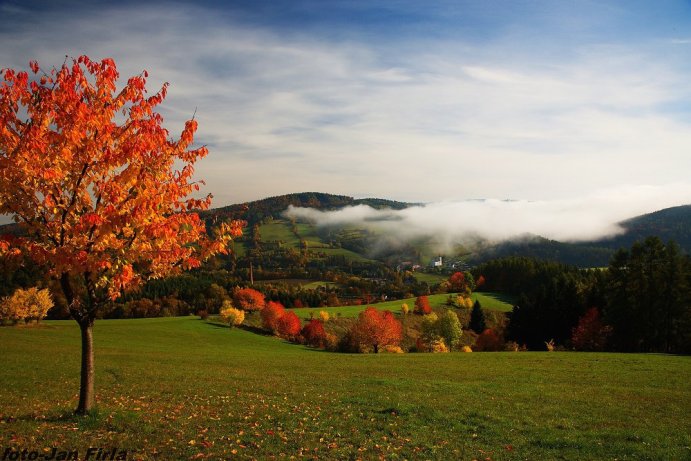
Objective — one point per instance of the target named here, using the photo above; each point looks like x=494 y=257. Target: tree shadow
x=251 y=329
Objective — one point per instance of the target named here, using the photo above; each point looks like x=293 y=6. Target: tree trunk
x=86 y=387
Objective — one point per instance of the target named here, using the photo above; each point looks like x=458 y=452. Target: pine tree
x=477 y=319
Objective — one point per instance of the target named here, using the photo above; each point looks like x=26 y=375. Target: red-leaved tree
x=457 y=282
x=591 y=333
x=422 y=306
x=249 y=299
x=271 y=313
x=289 y=325
x=99 y=187
x=488 y=341
x=376 y=329
x=314 y=333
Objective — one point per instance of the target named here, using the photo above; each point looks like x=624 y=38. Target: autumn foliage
x=249 y=299
x=288 y=325
x=591 y=333
x=457 y=282
x=98 y=193
x=422 y=306
x=29 y=304
x=314 y=334
x=488 y=341
x=100 y=188
x=270 y=315
x=375 y=329
x=230 y=315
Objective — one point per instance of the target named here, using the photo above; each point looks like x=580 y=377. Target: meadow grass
x=279 y=230
x=429 y=277
x=489 y=301
x=182 y=388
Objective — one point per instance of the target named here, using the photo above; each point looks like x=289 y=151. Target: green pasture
x=489 y=301
x=279 y=231
x=182 y=388
x=430 y=277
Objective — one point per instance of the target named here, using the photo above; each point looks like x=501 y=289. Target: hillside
x=360 y=245
x=668 y=224
x=273 y=207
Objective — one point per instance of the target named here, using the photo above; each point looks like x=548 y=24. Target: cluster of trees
x=374 y=330
x=640 y=303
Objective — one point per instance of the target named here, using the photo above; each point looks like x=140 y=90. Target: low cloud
x=591 y=217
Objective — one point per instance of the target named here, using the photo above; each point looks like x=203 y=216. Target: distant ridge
x=667 y=224
x=257 y=210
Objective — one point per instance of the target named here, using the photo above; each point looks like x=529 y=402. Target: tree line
x=640 y=303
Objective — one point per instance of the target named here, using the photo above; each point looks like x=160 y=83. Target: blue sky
x=410 y=100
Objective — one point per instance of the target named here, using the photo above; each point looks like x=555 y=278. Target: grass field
x=181 y=388
x=430 y=278
x=279 y=230
x=489 y=301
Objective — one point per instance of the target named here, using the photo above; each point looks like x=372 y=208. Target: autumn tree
x=488 y=341
x=314 y=334
x=376 y=329
x=422 y=306
x=591 y=333
x=101 y=190
x=450 y=328
x=457 y=282
x=14 y=308
x=249 y=299
x=270 y=315
x=36 y=303
x=289 y=325
x=230 y=315
x=429 y=331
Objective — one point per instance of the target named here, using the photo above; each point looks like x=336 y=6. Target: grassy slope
x=175 y=388
x=489 y=301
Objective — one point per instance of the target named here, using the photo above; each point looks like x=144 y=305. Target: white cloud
x=286 y=111
x=584 y=218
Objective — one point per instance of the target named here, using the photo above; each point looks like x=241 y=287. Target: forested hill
x=668 y=224
x=253 y=212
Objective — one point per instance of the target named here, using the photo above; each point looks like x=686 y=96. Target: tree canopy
x=102 y=192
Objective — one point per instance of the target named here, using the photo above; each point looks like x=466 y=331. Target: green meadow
x=489 y=301
x=183 y=388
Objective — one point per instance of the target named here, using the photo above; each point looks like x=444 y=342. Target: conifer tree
x=477 y=319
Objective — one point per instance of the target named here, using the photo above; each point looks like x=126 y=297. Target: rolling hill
x=668 y=224
x=358 y=244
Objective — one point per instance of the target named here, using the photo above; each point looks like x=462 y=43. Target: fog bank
x=590 y=217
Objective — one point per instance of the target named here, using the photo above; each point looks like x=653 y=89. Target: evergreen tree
x=477 y=319
x=649 y=295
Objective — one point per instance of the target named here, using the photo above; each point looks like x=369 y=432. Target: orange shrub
x=270 y=315
x=314 y=333
x=288 y=325
x=248 y=299
x=422 y=306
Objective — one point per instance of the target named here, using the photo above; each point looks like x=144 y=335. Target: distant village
x=438 y=263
